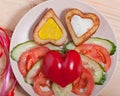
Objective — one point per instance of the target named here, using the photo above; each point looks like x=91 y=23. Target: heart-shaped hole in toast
x=50 y=30
x=81 y=25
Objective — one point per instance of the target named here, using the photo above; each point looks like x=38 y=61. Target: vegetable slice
x=109 y=45
x=42 y=82
x=96 y=52
x=70 y=46
x=30 y=57
x=61 y=91
x=95 y=68
x=84 y=85
x=33 y=72
x=20 y=48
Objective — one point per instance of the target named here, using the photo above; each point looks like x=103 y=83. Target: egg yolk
x=50 y=30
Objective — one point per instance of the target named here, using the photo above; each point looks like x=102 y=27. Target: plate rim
x=21 y=20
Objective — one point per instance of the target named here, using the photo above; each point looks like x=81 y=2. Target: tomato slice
x=84 y=85
x=96 y=52
x=30 y=57
x=41 y=81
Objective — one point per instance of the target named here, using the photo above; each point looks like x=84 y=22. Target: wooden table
x=111 y=10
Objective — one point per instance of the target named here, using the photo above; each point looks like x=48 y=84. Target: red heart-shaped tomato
x=62 y=70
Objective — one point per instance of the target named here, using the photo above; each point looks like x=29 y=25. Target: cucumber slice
x=70 y=46
x=20 y=48
x=33 y=72
x=59 y=91
x=53 y=47
x=96 y=69
x=109 y=45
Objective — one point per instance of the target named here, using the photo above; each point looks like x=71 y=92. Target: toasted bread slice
x=81 y=25
x=50 y=30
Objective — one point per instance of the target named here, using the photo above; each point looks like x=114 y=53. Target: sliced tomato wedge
x=84 y=85
x=96 y=52
x=30 y=57
x=40 y=82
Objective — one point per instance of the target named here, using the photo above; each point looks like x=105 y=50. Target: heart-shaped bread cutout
x=50 y=30
x=62 y=70
x=81 y=25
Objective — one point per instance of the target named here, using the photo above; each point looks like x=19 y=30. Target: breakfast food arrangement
x=57 y=66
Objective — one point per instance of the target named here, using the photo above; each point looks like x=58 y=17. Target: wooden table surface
x=111 y=10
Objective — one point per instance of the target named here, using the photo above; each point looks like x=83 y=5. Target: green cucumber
x=70 y=46
x=60 y=91
x=109 y=45
x=20 y=48
x=96 y=69
x=53 y=47
x=33 y=72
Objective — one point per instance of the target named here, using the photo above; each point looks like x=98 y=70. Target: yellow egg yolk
x=50 y=30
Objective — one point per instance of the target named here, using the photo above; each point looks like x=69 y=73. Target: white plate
x=24 y=31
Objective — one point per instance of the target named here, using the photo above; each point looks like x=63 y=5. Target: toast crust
x=49 y=14
x=96 y=22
